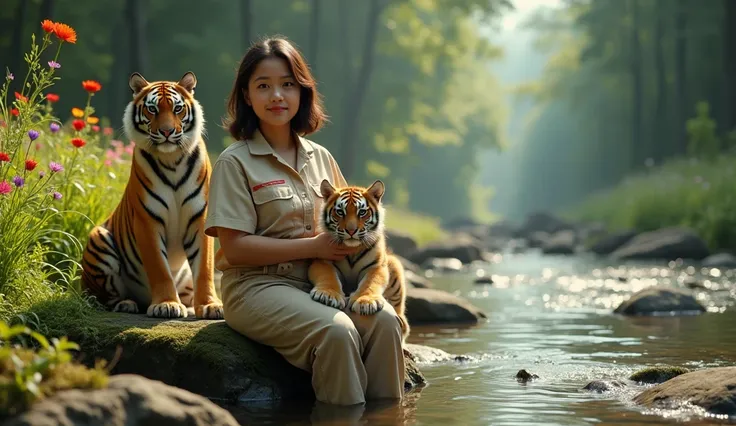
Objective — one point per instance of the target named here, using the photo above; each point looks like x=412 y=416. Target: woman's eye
x=262 y=86
x=288 y=84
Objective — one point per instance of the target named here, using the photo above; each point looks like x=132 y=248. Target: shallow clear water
x=550 y=315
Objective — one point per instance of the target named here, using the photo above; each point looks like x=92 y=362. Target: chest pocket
x=273 y=204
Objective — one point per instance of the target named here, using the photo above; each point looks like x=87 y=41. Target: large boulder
x=400 y=243
x=610 y=243
x=713 y=389
x=660 y=301
x=561 y=242
x=542 y=222
x=205 y=357
x=127 y=400
x=664 y=244
x=459 y=246
x=431 y=306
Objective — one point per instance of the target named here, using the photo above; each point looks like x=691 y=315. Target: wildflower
x=18 y=181
x=91 y=86
x=78 y=142
x=108 y=163
x=93 y=120
x=4 y=158
x=65 y=33
x=54 y=64
x=5 y=188
x=77 y=112
x=56 y=167
x=107 y=131
x=15 y=112
x=78 y=125
x=56 y=195
x=95 y=128
x=41 y=174
x=52 y=97
x=33 y=135
x=31 y=164
x=54 y=127
x=10 y=76
x=48 y=25
x=20 y=97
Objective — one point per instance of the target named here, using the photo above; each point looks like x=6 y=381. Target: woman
x=264 y=205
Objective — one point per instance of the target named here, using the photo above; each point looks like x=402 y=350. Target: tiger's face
x=163 y=116
x=353 y=215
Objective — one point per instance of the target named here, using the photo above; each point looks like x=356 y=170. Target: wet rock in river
x=713 y=389
x=562 y=242
x=430 y=306
x=400 y=243
x=660 y=300
x=664 y=244
x=460 y=246
x=601 y=386
x=608 y=244
x=525 y=376
x=656 y=375
x=720 y=260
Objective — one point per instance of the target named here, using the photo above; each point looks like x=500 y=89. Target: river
x=550 y=315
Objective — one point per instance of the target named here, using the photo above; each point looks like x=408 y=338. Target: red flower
x=65 y=33
x=52 y=97
x=96 y=128
x=48 y=25
x=91 y=86
x=4 y=158
x=107 y=131
x=78 y=142
x=31 y=164
x=15 y=111
x=78 y=124
x=20 y=97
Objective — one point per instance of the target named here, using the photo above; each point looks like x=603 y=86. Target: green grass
x=424 y=229
x=686 y=192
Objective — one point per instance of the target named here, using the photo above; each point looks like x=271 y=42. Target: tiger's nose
x=351 y=232
x=166 y=132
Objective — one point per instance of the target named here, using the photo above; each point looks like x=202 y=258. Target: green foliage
x=424 y=229
x=31 y=374
x=703 y=141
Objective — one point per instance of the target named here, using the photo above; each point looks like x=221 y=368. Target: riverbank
x=691 y=193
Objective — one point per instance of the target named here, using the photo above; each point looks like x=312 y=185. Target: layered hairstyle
x=242 y=122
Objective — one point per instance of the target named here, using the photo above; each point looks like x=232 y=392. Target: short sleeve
x=337 y=173
x=230 y=202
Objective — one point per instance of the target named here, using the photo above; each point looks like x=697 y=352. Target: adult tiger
x=151 y=253
x=372 y=276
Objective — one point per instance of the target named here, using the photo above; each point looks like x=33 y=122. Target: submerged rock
x=525 y=376
x=601 y=386
x=660 y=300
x=713 y=389
x=656 y=375
x=664 y=244
x=431 y=306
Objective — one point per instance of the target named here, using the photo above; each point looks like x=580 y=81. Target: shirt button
x=309 y=227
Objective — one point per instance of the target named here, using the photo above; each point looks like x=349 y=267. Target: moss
x=656 y=375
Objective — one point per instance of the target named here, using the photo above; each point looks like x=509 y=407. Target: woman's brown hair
x=242 y=121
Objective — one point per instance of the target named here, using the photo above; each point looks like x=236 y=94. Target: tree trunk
x=729 y=62
x=638 y=149
x=681 y=101
x=661 y=124
x=314 y=34
x=353 y=104
x=246 y=22
x=137 y=42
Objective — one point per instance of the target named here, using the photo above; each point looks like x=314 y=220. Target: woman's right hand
x=325 y=248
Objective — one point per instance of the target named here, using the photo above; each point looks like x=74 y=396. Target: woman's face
x=273 y=93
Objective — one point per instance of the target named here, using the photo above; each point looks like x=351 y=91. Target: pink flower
x=5 y=188
x=56 y=167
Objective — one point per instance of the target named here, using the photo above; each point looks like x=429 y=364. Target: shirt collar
x=258 y=145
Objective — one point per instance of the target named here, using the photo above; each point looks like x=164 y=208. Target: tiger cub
x=151 y=254
x=372 y=276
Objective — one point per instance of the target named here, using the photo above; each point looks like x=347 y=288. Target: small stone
x=525 y=376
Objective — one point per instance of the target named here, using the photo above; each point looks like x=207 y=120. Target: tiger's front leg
x=327 y=286
x=200 y=255
x=368 y=297
x=165 y=302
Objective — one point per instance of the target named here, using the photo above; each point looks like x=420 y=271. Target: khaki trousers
x=351 y=357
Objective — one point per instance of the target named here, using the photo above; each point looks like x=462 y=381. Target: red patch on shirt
x=269 y=183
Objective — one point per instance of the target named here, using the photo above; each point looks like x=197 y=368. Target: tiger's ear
x=376 y=190
x=327 y=189
x=137 y=82
x=188 y=81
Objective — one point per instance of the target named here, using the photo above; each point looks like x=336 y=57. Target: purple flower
x=55 y=167
x=54 y=127
x=41 y=174
x=18 y=181
x=33 y=135
x=11 y=76
x=54 y=64
x=56 y=195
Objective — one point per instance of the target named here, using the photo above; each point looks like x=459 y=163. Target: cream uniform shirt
x=255 y=191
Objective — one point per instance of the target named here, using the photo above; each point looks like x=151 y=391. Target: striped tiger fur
x=151 y=253
x=354 y=217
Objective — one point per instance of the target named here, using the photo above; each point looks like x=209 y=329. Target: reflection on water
x=551 y=316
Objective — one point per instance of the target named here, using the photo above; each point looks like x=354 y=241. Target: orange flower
x=65 y=33
x=77 y=112
x=93 y=120
x=52 y=97
x=78 y=124
x=48 y=25
x=20 y=97
x=15 y=111
x=91 y=86
x=78 y=142
x=31 y=164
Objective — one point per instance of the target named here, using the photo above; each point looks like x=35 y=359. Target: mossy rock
x=206 y=357
x=656 y=375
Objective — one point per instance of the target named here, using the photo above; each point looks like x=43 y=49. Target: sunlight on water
x=553 y=317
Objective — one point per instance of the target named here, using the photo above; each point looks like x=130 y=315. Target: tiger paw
x=328 y=297
x=366 y=304
x=213 y=311
x=168 y=309
x=127 y=306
